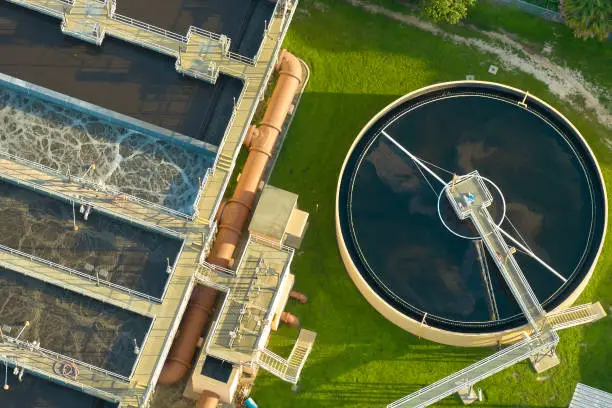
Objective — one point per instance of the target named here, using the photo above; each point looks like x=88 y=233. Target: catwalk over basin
x=408 y=252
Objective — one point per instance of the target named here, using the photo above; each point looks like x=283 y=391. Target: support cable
x=413 y=157
x=518 y=233
x=426 y=179
x=534 y=256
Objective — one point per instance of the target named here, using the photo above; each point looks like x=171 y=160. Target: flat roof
x=118 y=76
x=589 y=397
x=252 y=292
x=243 y=21
x=273 y=212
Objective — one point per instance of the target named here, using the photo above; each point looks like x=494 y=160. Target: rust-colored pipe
x=299 y=296
x=208 y=399
x=185 y=343
x=233 y=218
x=290 y=319
x=260 y=142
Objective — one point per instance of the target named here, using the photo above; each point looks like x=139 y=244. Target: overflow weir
x=153 y=122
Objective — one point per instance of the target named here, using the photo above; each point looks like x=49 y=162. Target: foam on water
x=66 y=139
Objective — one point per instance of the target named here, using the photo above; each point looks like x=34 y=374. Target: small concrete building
x=278 y=219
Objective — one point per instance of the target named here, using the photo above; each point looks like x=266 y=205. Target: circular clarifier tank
x=423 y=267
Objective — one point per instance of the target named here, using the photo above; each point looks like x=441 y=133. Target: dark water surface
x=243 y=21
x=34 y=392
x=553 y=195
x=119 y=76
x=42 y=226
x=71 y=324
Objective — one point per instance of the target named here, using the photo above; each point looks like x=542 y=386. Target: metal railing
x=196 y=203
x=533 y=9
x=275 y=364
x=96 y=36
x=150 y=28
x=99 y=187
x=574 y=316
x=509 y=268
x=201 y=75
x=274 y=244
x=82 y=275
x=50 y=376
x=161 y=357
x=23 y=346
x=79 y=200
x=495 y=363
x=39 y=8
x=230 y=124
x=206 y=280
x=212 y=233
x=241 y=58
x=222 y=288
x=282 y=275
x=171 y=272
x=125 y=36
x=203 y=33
x=219 y=269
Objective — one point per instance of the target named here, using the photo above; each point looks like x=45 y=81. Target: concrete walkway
x=90 y=20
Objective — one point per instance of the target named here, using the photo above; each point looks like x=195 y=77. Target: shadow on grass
x=359 y=358
x=595 y=352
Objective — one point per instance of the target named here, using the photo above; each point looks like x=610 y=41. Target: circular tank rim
x=415 y=327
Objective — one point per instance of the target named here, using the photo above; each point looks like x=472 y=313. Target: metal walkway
x=472 y=187
x=200 y=54
x=470 y=198
x=465 y=378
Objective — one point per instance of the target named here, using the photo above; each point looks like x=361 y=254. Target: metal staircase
x=289 y=370
x=576 y=315
x=470 y=198
x=224 y=162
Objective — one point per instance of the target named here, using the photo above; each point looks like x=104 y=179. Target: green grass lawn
x=360 y=63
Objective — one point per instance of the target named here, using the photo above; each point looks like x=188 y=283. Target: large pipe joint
x=208 y=399
x=290 y=319
x=252 y=134
x=220 y=210
x=288 y=64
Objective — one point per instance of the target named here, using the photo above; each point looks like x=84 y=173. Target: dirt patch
x=567 y=84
